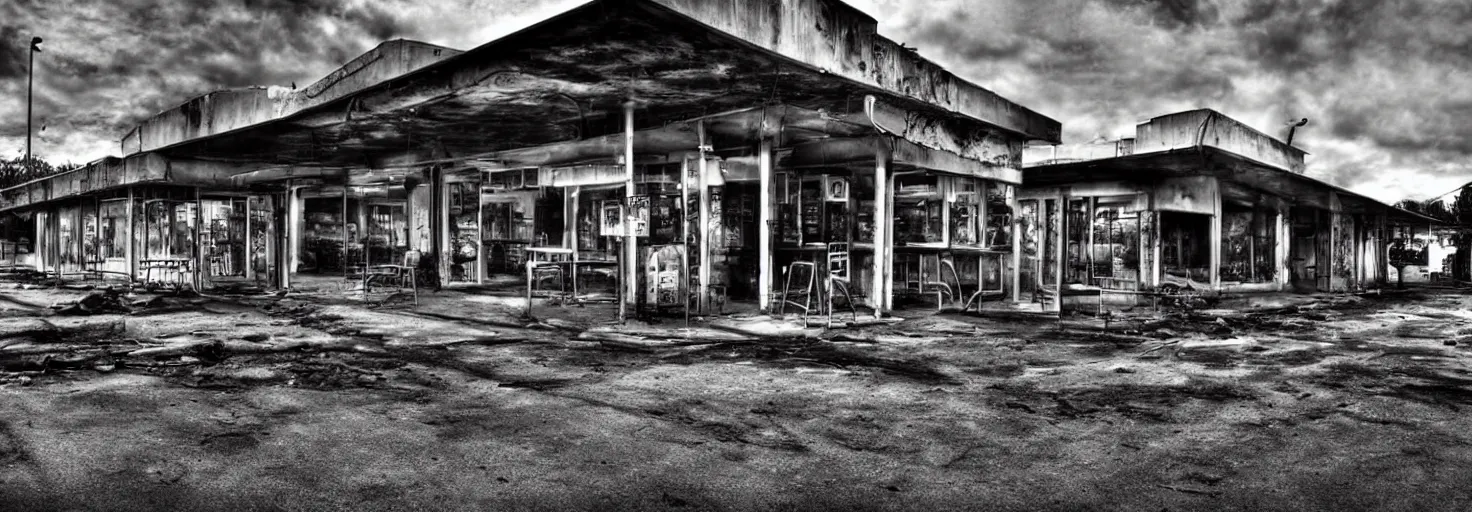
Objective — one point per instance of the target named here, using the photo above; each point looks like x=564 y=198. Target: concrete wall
x=1183 y=130
x=1196 y=194
x=833 y=36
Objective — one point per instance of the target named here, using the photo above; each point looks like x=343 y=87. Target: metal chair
x=402 y=275
x=805 y=293
x=838 y=280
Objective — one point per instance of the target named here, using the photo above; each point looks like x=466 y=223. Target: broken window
x=464 y=204
x=113 y=240
x=1249 y=242
x=1076 y=236
x=965 y=211
x=1185 y=248
x=322 y=226
x=917 y=204
x=998 y=216
x=223 y=237
x=1115 y=252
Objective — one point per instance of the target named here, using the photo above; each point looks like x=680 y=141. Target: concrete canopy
x=1226 y=166
x=566 y=79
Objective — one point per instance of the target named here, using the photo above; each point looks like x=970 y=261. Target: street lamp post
x=30 y=84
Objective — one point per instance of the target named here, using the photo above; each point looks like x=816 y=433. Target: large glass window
x=998 y=216
x=1185 y=248
x=918 y=203
x=1115 y=251
x=1248 y=245
x=966 y=211
x=113 y=240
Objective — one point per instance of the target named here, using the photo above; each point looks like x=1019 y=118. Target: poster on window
x=613 y=219
x=638 y=221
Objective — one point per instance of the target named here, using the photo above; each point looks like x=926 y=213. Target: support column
x=1016 y=228
x=345 y=241
x=292 y=233
x=441 y=212
x=200 y=265
x=879 y=289
x=704 y=222
x=764 y=227
x=629 y=266
x=130 y=250
x=1216 y=243
x=1284 y=247
x=481 y=266
x=570 y=231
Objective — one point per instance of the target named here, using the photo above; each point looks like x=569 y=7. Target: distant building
x=1194 y=201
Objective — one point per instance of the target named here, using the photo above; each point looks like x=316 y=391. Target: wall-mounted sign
x=836 y=189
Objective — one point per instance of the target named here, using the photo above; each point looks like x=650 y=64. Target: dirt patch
x=1149 y=402
x=795 y=353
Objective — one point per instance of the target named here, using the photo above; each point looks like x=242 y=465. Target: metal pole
x=30 y=84
x=630 y=250
x=685 y=235
x=704 y=226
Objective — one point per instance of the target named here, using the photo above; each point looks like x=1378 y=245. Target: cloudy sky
x=1387 y=86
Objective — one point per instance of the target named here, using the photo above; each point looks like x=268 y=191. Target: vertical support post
x=1216 y=242
x=480 y=247
x=345 y=242
x=630 y=269
x=685 y=235
x=130 y=247
x=879 y=291
x=1016 y=247
x=293 y=230
x=1283 y=245
x=704 y=248
x=1060 y=217
x=570 y=232
x=764 y=226
x=200 y=263
x=441 y=212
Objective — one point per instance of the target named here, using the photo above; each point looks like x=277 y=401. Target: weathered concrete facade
x=669 y=148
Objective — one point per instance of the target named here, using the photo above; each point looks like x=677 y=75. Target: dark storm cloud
x=109 y=64
x=1386 y=84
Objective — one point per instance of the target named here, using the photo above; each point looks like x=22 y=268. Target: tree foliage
x=15 y=171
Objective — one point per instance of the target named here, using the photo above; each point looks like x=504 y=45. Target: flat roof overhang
x=1243 y=174
x=567 y=79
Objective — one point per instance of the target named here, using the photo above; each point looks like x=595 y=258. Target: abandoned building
x=662 y=153
x=1195 y=201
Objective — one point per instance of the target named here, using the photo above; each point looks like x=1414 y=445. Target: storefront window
x=1079 y=247
x=998 y=216
x=917 y=204
x=1115 y=252
x=113 y=239
x=1248 y=245
x=966 y=212
x=1185 y=248
x=464 y=230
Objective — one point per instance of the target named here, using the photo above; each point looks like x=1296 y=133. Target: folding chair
x=837 y=280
